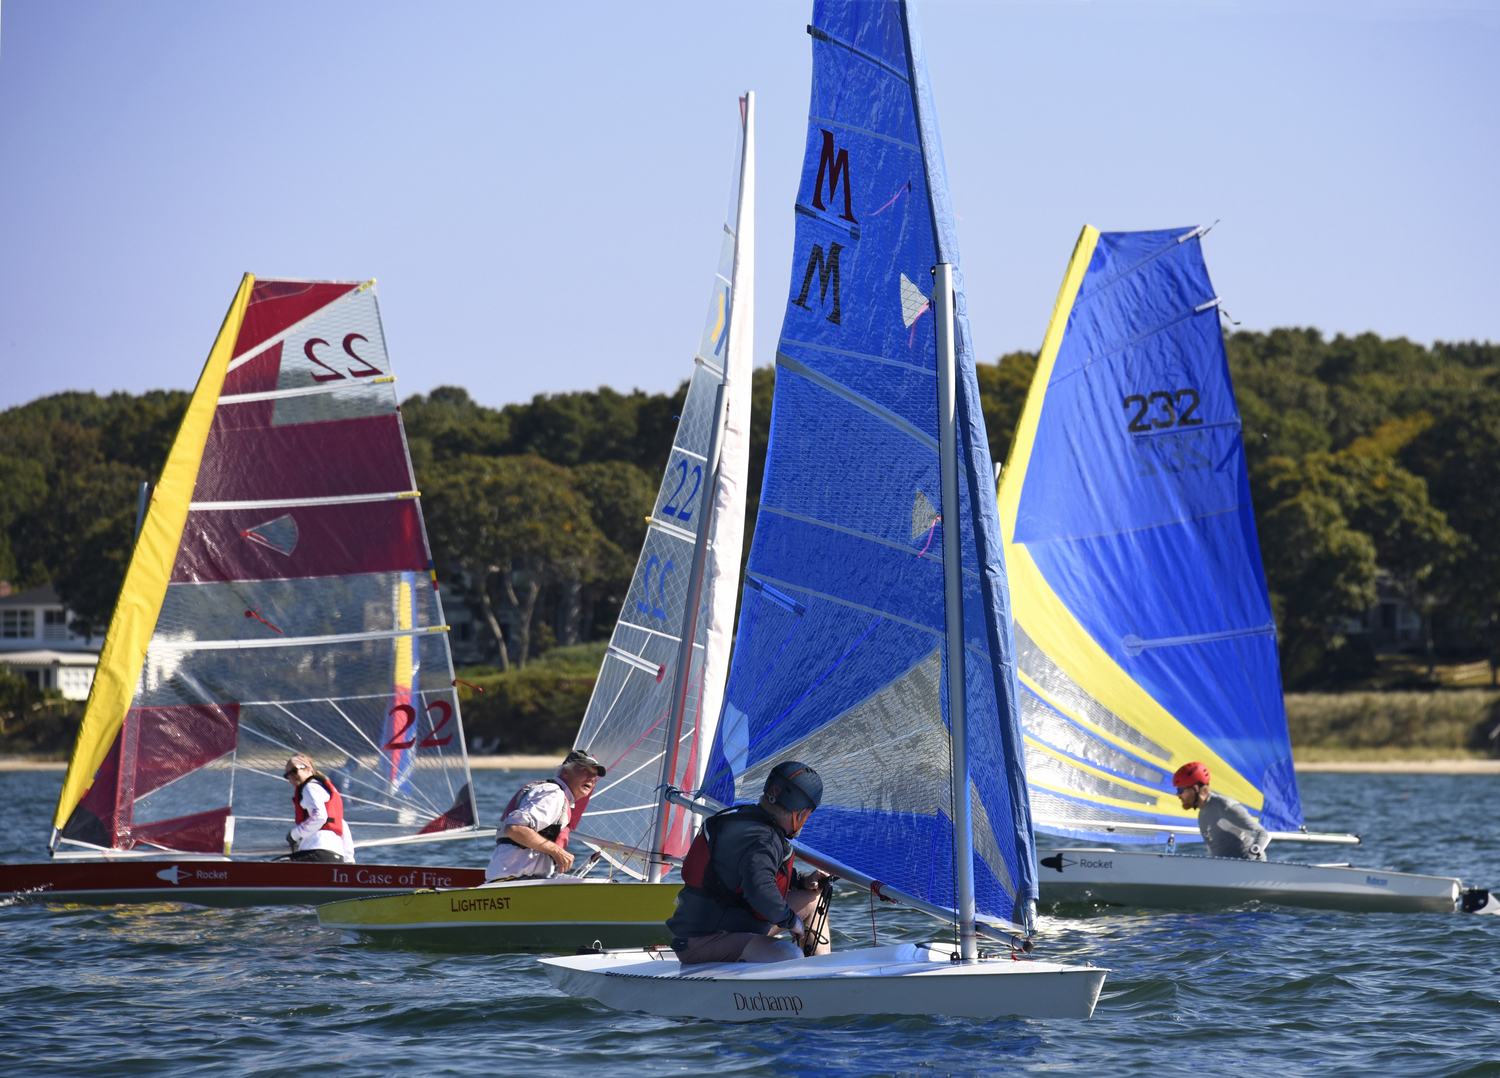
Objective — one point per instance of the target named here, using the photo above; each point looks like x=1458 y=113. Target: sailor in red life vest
x=321 y=833
x=742 y=889
x=533 y=838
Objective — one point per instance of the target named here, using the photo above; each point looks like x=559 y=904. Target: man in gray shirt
x=1227 y=827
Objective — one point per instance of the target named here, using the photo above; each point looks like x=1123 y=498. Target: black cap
x=586 y=758
x=794 y=786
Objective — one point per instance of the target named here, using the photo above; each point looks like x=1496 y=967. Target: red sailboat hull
x=220 y=883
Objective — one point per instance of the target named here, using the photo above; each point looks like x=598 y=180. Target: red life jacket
x=334 y=808
x=698 y=870
x=557 y=832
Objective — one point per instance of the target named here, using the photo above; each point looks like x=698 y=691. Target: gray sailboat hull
x=1101 y=874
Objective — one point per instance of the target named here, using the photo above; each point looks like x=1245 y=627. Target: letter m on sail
x=827 y=269
x=834 y=165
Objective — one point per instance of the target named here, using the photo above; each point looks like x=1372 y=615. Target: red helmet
x=1190 y=775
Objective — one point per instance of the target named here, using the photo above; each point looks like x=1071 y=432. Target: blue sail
x=840 y=659
x=1144 y=627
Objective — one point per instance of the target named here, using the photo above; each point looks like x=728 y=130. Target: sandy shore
x=515 y=763
x=1406 y=767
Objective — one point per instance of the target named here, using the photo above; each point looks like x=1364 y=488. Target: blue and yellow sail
x=1144 y=631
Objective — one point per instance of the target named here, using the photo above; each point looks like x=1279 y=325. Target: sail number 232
x=1162 y=409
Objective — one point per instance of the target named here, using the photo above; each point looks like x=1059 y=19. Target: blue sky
x=538 y=187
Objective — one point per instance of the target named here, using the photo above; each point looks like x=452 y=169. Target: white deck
x=895 y=979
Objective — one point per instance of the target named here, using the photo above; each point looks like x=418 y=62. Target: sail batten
x=298 y=611
x=1141 y=611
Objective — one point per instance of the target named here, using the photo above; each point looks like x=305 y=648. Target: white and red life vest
x=334 y=808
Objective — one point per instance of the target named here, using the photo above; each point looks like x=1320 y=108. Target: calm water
x=169 y=990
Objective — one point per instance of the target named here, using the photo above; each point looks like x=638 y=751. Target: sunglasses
x=293 y=773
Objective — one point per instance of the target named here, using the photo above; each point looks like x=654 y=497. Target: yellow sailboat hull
x=546 y=915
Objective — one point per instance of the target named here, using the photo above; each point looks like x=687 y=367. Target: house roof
x=48 y=657
x=46 y=595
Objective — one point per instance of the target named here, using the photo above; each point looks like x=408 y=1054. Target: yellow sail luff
x=1044 y=616
x=150 y=569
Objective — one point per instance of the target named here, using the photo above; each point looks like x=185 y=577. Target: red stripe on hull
x=275 y=305
x=308 y=460
x=331 y=540
x=221 y=883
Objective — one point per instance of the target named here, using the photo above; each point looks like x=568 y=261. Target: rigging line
x=849 y=651
x=345 y=795
x=861 y=355
x=879 y=411
x=819 y=34
x=1139 y=338
x=608 y=711
x=855 y=533
x=854 y=606
x=821 y=120
x=435 y=810
x=357 y=730
x=648 y=762
x=1167 y=248
x=785 y=640
x=616 y=812
x=277 y=338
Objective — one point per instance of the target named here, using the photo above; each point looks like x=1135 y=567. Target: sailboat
x=651 y=717
x=874 y=639
x=1144 y=632
x=279 y=599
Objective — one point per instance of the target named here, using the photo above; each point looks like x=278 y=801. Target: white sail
x=642 y=698
x=722 y=576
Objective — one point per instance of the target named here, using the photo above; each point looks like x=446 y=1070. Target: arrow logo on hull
x=172 y=875
x=1057 y=861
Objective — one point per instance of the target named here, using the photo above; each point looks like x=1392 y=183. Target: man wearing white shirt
x=321 y=833
x=533 y=838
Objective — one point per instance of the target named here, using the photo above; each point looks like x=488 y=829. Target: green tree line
x=1374 y=463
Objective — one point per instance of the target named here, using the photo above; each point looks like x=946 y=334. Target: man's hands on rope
x=819 y=881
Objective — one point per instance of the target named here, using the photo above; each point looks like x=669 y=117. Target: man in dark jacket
x=741 y=887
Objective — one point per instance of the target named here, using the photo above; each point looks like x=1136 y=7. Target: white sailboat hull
x=896 y=979
x=1127 y=878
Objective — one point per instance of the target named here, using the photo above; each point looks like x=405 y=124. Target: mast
x=659 y=866
x=953 y=602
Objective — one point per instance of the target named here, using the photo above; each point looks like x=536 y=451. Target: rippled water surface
x=175 y=990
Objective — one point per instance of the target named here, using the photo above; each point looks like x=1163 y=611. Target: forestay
x=840 y=658
x=280 y=599
x=1144 y=630
x=630 y=725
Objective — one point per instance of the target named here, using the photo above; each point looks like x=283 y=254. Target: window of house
x=54 y=625
x=17 y=624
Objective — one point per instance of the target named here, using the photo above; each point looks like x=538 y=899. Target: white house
x=36 y=643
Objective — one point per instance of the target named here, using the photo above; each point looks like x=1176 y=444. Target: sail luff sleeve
x=149 y=571
x=726 y=543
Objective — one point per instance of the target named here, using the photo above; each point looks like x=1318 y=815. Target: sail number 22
x=1159 y=410
x=406 y=722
